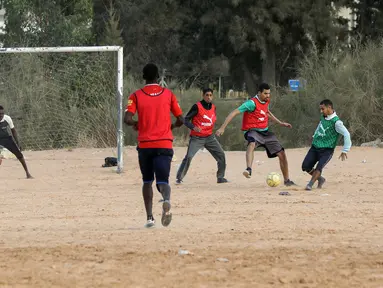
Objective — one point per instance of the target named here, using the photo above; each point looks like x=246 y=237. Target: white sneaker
x=151 y=223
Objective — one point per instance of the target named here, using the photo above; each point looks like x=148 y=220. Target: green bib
x=326 y=136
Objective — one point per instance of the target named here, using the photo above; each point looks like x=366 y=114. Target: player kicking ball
x=9 y=140
x=255 y=125
x=325 y=139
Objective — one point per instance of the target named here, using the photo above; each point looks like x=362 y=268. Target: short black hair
x=263 y=86
x=150 y=72
x=327 y=103
x=205 y=90
x=1 y=107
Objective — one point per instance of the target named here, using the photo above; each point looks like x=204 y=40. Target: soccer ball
x=273 y=179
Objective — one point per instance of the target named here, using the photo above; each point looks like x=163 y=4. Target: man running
x=325 y=139
x=255 y=124
x=200 y=120
x=9 y=139
x=153 y=104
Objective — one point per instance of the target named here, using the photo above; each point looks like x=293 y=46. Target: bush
x=69 y=100
x=353 y=80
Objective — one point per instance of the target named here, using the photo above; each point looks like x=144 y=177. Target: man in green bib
x=325 y=139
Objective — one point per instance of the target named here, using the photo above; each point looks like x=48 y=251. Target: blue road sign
x=294 y=85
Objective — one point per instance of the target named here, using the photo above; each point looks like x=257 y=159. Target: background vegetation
x=69 y=100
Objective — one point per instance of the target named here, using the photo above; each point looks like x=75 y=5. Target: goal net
x=64 y=97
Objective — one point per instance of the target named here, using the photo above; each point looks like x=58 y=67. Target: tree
x=369 y=19
x=48 y=22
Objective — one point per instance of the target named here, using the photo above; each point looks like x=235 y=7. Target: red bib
x=154 y=115
x=258 y=118
x=205 y=119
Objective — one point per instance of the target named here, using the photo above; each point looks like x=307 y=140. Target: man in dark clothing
x=153 y=105
x=9 y=139
x=200 y=120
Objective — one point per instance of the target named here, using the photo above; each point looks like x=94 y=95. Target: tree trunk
x=251 y=85
x=268 y=66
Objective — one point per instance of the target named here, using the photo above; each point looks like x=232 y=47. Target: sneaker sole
x=166 y=214
x=246 y=174
x=149 y=226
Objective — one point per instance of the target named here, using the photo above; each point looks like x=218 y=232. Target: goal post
x=119 y=81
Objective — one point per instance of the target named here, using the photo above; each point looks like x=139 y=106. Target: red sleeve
x=175 y=108
x=132 y=104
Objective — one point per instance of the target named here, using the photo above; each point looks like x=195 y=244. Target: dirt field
x=79 y=225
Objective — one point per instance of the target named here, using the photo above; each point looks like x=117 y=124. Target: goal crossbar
x=120 y=81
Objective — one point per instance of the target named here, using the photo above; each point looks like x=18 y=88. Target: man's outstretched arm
x=275 y=119
x=248 y=106
x=180 y=120
x=177 y=112
x=228 y=119
x=188 y=118
x=342 y=130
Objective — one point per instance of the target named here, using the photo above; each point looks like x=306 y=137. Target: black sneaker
x=222 y=180
x=178 y=182
x=247 y=173
x=290 y=183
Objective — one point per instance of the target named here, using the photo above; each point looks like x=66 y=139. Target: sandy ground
x=79 y=225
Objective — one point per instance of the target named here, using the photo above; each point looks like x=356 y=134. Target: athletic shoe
x=308 y=187
x=321 y=181
x=150 y=223
x=178 y=182
x=166 y=214
x=247 y=173
x=222 y=180
x=290 y=183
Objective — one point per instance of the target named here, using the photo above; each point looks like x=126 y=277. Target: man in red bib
x=200 y=120
x=255 y=125
x=153 y=104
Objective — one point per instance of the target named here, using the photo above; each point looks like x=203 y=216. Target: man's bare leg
x=284 y=165
x=316 y=175
x=249 y=159
x=147 y=194
x=22 y=161
x=284 y=168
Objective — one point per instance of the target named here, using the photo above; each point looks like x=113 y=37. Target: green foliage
x=67 y=101
x=369 y=20
x=112 y=32
x=48 y=22
x=196 y=42
x=351 y=79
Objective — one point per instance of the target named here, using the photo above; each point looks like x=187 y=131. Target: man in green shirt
x=325 y=139
x=255 y=125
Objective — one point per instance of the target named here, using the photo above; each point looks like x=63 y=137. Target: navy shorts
x=12 y=147
x=155 y=162
x=317 y=155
